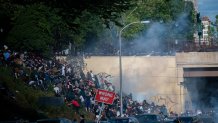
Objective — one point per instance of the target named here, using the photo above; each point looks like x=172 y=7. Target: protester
x=69 y=81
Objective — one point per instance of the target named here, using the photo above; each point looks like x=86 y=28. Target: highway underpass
x=202 y=87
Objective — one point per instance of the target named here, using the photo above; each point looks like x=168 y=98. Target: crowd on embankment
x=69 y=81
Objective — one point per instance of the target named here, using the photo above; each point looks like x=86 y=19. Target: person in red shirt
x=76 y=105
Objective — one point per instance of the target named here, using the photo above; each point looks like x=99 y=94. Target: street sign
x=105 y=96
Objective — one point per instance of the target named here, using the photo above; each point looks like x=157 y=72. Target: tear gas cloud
x=161 y=38
x=152 y=39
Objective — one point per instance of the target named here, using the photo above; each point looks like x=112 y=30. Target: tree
x=6 y=11
x=108 y=10
x=215 y=30
x=53 y=24
x=162 y=11
x=33 y=28
x=216 y=22
x=43 y=26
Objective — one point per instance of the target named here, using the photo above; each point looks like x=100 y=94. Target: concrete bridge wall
x=152 y=78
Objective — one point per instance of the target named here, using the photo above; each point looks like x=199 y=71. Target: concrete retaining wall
x=151 y=78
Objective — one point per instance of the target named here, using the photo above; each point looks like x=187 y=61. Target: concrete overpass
x=156 y=78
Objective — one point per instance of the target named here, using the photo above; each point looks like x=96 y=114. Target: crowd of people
x=69 y=80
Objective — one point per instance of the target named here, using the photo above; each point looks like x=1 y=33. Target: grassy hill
x=19 y=101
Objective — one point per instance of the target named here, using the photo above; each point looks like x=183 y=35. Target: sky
x=208 y=8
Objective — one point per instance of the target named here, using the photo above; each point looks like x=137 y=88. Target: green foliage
x=33 y=28
x=107 y=10
x=159 y=10
x=190 y=20
x=164 y=11
x=45 y=26
x=130 y=33
x=211 y=31
x=87 y=23
x=216 y=22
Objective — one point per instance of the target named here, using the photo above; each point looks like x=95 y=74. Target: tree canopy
x=45 y=26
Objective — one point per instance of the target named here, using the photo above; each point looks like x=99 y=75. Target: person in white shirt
x=81 y=99
x=56 y=90
x=69 y=70
x=92 y=75
x=63 y=70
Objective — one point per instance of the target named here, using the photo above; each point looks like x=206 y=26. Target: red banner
x=105 y=96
